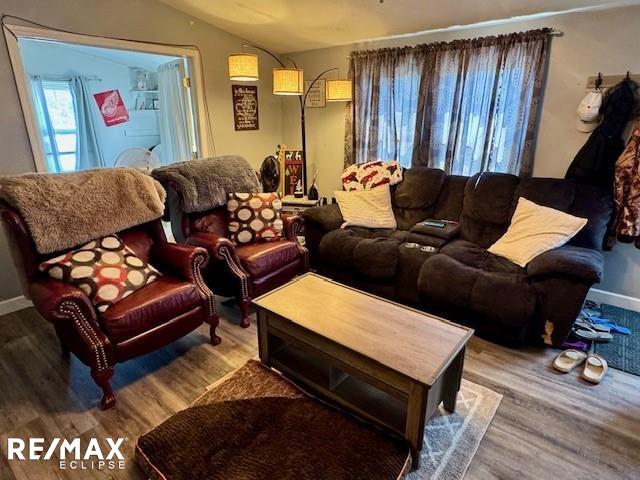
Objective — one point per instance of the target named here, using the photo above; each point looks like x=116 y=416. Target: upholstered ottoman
x=255 y=424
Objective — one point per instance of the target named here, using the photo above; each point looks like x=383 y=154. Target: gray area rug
x=623 y=352
x=451 y=439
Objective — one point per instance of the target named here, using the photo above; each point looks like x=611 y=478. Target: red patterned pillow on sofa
x=254 y=217
x=106 y=270
x=365 y=176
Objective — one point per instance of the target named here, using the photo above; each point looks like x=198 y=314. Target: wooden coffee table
x=384 y=362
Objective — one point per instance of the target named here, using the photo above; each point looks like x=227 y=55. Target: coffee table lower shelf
x=363 y=387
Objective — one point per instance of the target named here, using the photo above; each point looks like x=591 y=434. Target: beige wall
x=146 y=20
x=605 y=41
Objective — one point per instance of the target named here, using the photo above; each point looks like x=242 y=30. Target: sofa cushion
x=488 y=206
x=554 y=193
x=149 y=307
x=464 y=275
x=449 y=204
x=262 y=258
x=414 y=198
x=369 y=252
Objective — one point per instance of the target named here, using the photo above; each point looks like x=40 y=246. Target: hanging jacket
x=595 y=162
x=627 y=190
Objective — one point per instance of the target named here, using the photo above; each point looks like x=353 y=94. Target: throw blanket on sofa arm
x=206 y=183
x=68 y=209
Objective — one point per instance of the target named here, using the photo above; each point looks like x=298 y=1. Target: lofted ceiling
x=295 y=25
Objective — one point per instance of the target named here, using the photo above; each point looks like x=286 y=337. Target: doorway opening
x=108 y=104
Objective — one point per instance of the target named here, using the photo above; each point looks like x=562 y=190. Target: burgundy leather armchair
x=240 y=271
x=148 y=319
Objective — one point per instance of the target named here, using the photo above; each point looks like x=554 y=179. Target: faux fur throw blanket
x=206 y=183
x=69 y=209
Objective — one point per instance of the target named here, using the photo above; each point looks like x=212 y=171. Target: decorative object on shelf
x=141 y=82
x=289 y=81
x=313 y=189
x=293 y=171
x=111 y=107
x=316 y=94
x=245 y=107
x=156 y=104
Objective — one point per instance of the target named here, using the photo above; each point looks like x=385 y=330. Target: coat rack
x=608 y=81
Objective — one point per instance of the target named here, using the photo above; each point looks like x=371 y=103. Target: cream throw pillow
x=534 y=230
x=366 y=208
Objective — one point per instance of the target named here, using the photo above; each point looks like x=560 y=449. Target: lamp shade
x=243 y=67
x=288 y=81
x=338 y=90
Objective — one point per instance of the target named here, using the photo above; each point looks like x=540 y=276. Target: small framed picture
x=156 y=104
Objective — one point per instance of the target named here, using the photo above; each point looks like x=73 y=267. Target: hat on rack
x=588 y=112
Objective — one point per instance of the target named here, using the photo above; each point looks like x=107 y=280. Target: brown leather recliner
x=150 y=318
x=240 y=271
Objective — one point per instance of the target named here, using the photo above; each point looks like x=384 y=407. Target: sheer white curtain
x=173 y=115
x=88 y=151
x=47 y=132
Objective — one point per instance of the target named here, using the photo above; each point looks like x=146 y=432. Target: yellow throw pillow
x=534 y=230
x=366 y=208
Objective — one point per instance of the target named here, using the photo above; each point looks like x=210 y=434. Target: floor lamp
x=288 y=81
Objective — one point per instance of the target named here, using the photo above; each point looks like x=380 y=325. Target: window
x=59 y=103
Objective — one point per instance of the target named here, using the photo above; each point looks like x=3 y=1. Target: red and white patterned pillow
x=254 y=217
x=106 y=270
x=365 y=176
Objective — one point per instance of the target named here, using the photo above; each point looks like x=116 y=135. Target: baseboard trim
x=615 y=299
x=14 y=304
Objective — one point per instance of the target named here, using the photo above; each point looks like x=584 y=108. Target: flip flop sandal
x=568 y=360
x=591 y=335
x=595 y=368
x=588 y=323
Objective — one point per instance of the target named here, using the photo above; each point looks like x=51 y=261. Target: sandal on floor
x=568 y=360
x=594 y=368
x=589 y=323
x=590 y=334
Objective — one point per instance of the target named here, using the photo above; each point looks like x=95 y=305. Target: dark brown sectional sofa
x=461 y=280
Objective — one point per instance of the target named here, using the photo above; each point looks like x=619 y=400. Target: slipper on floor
x=589 y=323
x=613 y=326
x=595 y=368
x=568 y=360
x=591 y=335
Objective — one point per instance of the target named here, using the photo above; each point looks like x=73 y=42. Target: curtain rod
x=554 y=32
x=67 y=77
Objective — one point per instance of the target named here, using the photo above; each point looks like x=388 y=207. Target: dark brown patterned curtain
x=464 y=106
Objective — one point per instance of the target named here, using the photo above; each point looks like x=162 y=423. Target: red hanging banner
x=111 y=107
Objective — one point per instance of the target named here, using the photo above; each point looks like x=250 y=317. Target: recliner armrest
x=180 y=259
x=215 y=245
x=292 y=226
x=327 y=217
x=582 y=263
x=48 y=295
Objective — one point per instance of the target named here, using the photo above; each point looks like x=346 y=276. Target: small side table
x=292 y=205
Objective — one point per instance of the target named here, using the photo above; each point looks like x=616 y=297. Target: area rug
x=623 y=352
x=324 y=443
